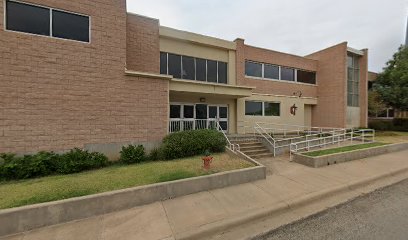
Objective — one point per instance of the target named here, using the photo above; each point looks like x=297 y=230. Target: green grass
x=343 y=149
x=25 y=192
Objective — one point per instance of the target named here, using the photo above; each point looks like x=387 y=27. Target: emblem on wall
x=293 y=109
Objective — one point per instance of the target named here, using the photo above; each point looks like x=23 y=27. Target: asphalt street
x=381 y=215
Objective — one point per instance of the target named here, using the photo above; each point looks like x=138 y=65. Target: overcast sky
x=293 y=26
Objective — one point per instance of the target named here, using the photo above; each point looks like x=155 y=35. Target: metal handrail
x=359 y=134
x=219 y=128
x=263 y=133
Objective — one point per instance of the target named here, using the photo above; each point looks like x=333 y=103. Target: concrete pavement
x=292 y=192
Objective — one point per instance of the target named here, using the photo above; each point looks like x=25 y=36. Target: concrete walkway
x=292 y=192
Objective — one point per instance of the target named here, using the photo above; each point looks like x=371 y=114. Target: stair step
x=249 y=148
x=255 y=152
x=250 y=144
x=261 y=155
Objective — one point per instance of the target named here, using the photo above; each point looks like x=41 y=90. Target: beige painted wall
x=308 y=115
x=353 y=117
x=285 y=116
x=231 y=103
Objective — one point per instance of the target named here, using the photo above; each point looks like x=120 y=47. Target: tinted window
x=271 y=71
x=253 y=108
x=188 y=68
x=222 y=72
x=212 y=112
x=211 y=71
x=188 y=111
x=224 y=125
x=163 y=63
x=174 y=65
x=26 y=18
x=272 y=109
x=223 y=112
x=175 y=111
x=201 y=111
x=70 y=26
x=306 y=77
x=287 y=74
x=253 y=69
x=201 y=69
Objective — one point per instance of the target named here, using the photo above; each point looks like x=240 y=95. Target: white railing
x=232 y=147
x=360 y=135
x=177 y=125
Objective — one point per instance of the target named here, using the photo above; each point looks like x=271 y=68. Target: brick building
x=88 y=74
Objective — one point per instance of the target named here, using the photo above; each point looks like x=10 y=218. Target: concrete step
x=249 y=148
x=255 y=152
x=261 y=155
x=249 y=144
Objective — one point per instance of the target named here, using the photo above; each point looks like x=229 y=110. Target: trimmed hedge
x=48 y=163
x=192 y=143
x=397 y=124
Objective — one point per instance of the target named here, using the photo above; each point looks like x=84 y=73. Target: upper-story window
x=190 y=68
x=33 y=19
x=275 y=72
x=353 y=80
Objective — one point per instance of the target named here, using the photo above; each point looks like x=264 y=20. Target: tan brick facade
x=332 y=96
x=59 y=94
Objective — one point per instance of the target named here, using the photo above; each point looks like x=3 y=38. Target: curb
x=212 y=229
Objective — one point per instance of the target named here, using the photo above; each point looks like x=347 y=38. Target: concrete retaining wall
x=330 y=159
x=26 y=218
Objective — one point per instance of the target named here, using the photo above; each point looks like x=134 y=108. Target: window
x=353 y=81
x=27 y=18
x=175 y=111
x=188 y=111
x=184 y=67
x=201 y=69
x=188 y=68
x=70 y=26
x=211 y=71
x=253 y=108
x=271 y=71
x=306 y=77
x=163 y=63
x=287 y=74
x=271 y=109
x=174 y=65
x=253 y=69
x=22 y=17
x=222 y=72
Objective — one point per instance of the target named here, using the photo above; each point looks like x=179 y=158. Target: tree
x=392 y=83
x=375 y=104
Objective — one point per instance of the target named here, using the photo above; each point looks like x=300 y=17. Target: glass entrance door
x=220 y=113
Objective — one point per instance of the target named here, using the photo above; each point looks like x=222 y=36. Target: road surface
x=381 y=215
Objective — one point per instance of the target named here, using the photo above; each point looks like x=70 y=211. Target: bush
x=191 y=143
x=132 y=154
x=155 y=154
x=397 y=124
x=47 y=163
x=78 y=160
x=28 y=166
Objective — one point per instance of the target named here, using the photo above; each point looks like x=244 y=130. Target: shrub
x=400 y=123
x=132 y=154
x=381 y=125
x=155 y=154
x=191 y=143
x=78 y=160
x=28 y=166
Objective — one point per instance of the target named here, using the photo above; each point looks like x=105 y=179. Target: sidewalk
x=292 y=192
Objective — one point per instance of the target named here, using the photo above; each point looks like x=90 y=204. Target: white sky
x=293 y=26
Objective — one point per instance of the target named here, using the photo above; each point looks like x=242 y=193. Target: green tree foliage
x=375 y=104
x=392 y=83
